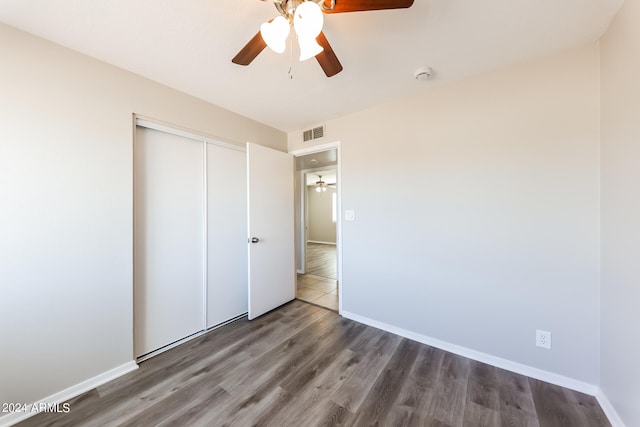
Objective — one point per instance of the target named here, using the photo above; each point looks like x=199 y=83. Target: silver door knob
x=254 y=240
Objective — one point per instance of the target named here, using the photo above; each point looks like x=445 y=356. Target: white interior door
x=227 y=234
x=270 y=187
x=168 y=239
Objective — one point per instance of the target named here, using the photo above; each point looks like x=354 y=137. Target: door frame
x=337 y=145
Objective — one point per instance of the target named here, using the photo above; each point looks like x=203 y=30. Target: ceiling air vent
x=313 y=134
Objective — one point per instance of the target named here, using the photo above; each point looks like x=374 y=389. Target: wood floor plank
x=516 y=403
x=385 y=391
x=482 y=386
x=432 y=422
x=291 y=364
x=301 y=365
x=552 y=407
x=288 y=327
x=350 y=393
x=314 y=401
x=303 y=383
x=417 y=392
x=281 y=359
x=176 y=404
x=347 y=331
x=331 y=414
x=587 y=409
x=201 y=412
x=476 y=415
x=449 y=396
x=321 y=260
x=259 y=409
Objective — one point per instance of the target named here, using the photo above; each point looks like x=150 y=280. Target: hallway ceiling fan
x=306 y=18
x=321 y=186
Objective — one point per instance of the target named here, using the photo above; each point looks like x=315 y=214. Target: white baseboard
x=69 y=393
x=498 y=362
x=609 y=410
x=320 y=242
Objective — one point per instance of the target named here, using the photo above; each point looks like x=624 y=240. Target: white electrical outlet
x=543 y=339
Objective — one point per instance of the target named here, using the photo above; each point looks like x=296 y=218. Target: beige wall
x=66 y=208
x=320 y=226
x=488 y=227
x=620 y=139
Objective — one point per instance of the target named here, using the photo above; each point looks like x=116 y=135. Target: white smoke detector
x=422 y=74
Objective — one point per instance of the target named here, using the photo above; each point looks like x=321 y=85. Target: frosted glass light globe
x=275 y=33
x=308 y=48
x=308 y=20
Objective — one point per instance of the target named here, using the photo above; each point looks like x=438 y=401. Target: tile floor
x=318 y=290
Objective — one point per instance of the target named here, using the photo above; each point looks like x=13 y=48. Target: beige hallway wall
x=321 y=227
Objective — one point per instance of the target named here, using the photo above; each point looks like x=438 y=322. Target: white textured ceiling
x=188 y=45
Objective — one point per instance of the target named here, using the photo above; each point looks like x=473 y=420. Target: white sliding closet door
x=227 y=234
x=168 y=239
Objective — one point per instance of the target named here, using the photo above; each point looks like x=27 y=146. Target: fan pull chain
x=290 y=59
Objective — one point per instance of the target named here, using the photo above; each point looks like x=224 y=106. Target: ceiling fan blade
x=363 y=5
x=249 y=52
x=327 y=58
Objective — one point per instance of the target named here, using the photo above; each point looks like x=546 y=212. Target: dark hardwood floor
x=303 y=365
x=321 y=260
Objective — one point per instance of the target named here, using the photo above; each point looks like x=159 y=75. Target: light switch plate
x=349 y=215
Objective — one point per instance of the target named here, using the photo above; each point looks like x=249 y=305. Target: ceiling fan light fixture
x=275 y=33
x=321 y=186
x=308 y=20
x=308 y=48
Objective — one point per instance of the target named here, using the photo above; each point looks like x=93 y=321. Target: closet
x=190 y=238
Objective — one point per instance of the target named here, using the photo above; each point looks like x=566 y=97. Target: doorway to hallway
x=317 y=230
x=319 y=285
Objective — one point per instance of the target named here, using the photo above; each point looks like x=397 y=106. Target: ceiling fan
x=306 y=17
x=321 y=186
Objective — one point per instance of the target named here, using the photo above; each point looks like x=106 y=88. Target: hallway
x=319 y=286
